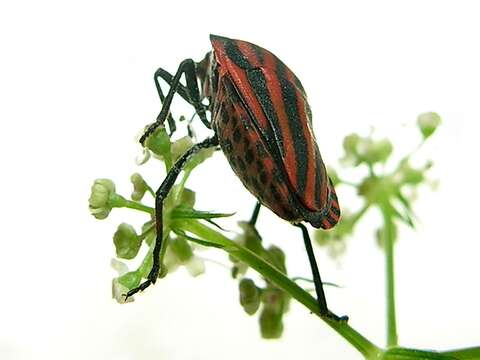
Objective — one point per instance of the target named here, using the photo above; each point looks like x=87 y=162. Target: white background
x=76 y=87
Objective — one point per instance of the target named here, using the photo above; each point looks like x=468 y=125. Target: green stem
x=467 y=353
x=363 y=345
x=411 y=153
x=415 y=354
x=118 y=201
x=138 y=206
x=360 y=213
x=181 y=186
x=150 y=190
x=167 y=158
x=392 y=337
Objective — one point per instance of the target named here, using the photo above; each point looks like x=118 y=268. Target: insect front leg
x=160 y=196
x=321 y=299
x=189 y=93
x=171 y=121
x=167 y=101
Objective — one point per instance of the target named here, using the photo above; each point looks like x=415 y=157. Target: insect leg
x=253 y=219
x=322 y=301
x=171 y=122
x=192 y=86
x=190 y=93
x=160 y=196
x=168 y=78
x=182 y=91
x=174 y=87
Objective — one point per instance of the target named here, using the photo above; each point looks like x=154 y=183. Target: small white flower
x=99 y=201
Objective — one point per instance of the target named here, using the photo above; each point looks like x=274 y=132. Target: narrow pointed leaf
x=181 y=212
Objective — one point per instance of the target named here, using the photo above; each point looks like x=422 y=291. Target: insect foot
x=330 y=315
x=142 y=287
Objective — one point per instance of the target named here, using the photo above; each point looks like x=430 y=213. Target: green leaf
x=403 y=217
x=184 y=212
x=404 y=201
x=197 y=240
x=210 y=221
x=407 y=206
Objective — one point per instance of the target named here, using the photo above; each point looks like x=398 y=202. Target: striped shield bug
x=262 y=121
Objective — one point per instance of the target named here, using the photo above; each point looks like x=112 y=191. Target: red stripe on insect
x=240 y=79
x=326 y=224
x=274 y=88
x=309 y=194
x=247 y=50
x=335 y=204
x=333 y=216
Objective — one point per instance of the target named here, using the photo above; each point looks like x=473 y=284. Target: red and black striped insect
x=262 y=121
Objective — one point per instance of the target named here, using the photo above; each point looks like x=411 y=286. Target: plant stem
x=363 y=345
x=360 y=213
x=138 y=206
x=416 y=354
x=392 y=337
x=150 y=190
x=467 y=353
x=181 y=186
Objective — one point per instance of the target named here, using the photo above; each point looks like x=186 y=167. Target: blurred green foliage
x=391 y=192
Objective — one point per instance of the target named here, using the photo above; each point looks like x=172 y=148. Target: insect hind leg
x=321 y=299
x=254 y=217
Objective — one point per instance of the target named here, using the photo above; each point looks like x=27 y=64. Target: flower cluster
x=392 y=192
x=178 y=205
x=272 y=302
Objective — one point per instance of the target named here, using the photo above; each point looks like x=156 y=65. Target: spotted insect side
x=249 y=156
